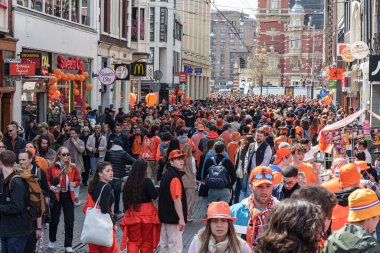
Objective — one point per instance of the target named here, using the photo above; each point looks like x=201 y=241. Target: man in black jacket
x=15 y=221
x=118 y=158
x=172 y=205
x=14 y=142
x=289 y=183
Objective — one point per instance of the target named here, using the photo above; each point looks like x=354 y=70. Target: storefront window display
x=33 y=100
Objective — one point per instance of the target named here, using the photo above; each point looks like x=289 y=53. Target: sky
x=247 y=6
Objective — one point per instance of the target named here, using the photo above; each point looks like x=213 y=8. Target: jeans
x=87 y=166
x=237 y=191
x=13 y=244
x=116 y=186
x=219 y=195
x=94 y=161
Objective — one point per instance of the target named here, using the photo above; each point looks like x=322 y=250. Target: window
x=223 y=42
x=142 y=24
x=274 y=4
x=232 y=36
x=23 y=3
x=151 y=55
x=176 y=63
x=124 y=25
x=223 y=36
x=213 y=29
x=135 y=24
x=49 y=7
x=75 y=11
x=57 y=8
x=114 y=18
x=294 y=42
x=241 y=30
x=85 y=12
x=213 y=41
x=273 y=64
x=296 y=63
x=178 y=31
x=223 y=29
x=36 y=5
x=151 y=23
x=66 y=9
x=106 y=16
x=163 y=24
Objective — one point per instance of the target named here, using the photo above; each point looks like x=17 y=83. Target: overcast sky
x=247 y=6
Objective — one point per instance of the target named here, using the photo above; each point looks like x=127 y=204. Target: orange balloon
x=71 y=77
x=86 y=74
x=64 y=77
x=327 y=100
x=57 y=72
x=57 y=94
x=76 y=77
x=151 y=99
x=76 y=92
x=186 y=100
x=83 y=78
x=52 y=87
x=86 y=105
x=53 y=80
x=59 y=77
x=132 y=98
x=89 y=86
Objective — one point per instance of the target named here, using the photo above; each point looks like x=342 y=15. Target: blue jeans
x=94 y=161
x=245 y=191
x=13 y=244
x=219 y=195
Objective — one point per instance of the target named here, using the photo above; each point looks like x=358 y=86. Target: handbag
x=97 y=227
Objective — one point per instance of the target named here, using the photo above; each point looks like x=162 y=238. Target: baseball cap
x=117 y=141
x=266 y=129
x=280 y=154
x=212 y=135
x=235 y=136
x=261 y=175
x=201 y=127
x=363 y=204
x=349 y=175
x=362 y=165
x=218 y=210
x=175 y=154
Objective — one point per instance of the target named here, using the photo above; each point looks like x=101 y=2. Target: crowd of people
x=252 y=158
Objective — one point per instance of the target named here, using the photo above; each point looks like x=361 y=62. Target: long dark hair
x=135 y=185
x=173 y=145
x=99 y=169
x=295 y=226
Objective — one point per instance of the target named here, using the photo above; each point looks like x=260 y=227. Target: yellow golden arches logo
x=139 y=69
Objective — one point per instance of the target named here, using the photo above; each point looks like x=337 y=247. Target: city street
x=190 y=230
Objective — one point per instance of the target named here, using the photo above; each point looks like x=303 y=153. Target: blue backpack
x=217 y=177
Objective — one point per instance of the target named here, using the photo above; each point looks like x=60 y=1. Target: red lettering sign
x=71 y=63
x=20 y=69
x=182 y=77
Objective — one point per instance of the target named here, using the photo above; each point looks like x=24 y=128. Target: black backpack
x=217 y=177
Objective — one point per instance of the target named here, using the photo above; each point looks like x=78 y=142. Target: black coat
x=118 y=159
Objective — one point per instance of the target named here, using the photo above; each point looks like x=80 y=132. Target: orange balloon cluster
x=54 y=93
x=151 y=99
x=89 y=86
x=172 y=100
x=186 y=100
x=132 y=98
x=59 y=75
x=180 y=93
x=76 y=92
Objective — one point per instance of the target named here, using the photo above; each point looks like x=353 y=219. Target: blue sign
x=324 y=93
x=188 y=69
x=198 y=71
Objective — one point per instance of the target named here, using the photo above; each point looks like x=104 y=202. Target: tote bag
x=97 y=227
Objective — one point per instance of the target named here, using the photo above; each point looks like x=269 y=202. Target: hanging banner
x=336 y=73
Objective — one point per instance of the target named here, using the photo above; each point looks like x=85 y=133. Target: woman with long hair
x=106 y=131
x=240 y=159
x=100 y=187
x=189 y=179
x=140 y=224
x=86 y=154
x=63 y=177
x=219 y=234
x=295 y=226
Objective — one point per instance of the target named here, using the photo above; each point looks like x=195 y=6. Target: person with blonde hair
x=219 y=234
x=189 y=179
x=63 y=177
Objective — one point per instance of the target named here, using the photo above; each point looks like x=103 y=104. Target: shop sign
x=107 y=76
x=188 y=69
x=198 y=71
x=73 y=63
x=374 y=68
x=336 y=74
x=341 y=46
x=21 y=69
x=41 y=61
x=182 y=77
x=123 y=71
x=359 y=50
x=138 y=69
x=347 y=55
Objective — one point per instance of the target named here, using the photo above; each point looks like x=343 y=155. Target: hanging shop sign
x=359 y=50
x=340 y=47
x=198 y=71
x=182 y=77
x=336 y=74
x=374 y=68
x=347 y=55
x=73 y=63
x=20 y=69
x=138 y=69
x=41 y=61
x=107 y=76
x=123 y=71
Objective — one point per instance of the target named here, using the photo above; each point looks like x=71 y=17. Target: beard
x=44 y=149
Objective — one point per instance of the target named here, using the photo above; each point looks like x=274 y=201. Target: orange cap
x=176 y=153
x=235 y=136
x=218 y=210
x=219 y=122
x=261 y=175
x=280 y=154
x=349 y=175
x=201 y=127
x=266 y=129
x=362 y=165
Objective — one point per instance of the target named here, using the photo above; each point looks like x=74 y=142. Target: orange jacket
x=73 y=176
x=226 y=137
x=196 y=138
x=149 y=148
x=231 y=150
x=147 y=214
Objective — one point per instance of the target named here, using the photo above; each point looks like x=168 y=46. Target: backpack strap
x=220 y=163
x=214 y=160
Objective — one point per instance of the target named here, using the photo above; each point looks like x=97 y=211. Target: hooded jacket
x=340 y=211
x=353 y=239
x=149 y=147
x=184 y=139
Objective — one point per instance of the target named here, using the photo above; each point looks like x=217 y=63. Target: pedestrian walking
x=63 y=177
x=85 y=156
x=219 y=233
x=149 y=150
x=189 y=179
x=14 y=142
x=140 y=224
x=97 y=146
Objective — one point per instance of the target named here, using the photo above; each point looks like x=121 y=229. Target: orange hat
x=298 y=129
x=363 y=204
x=219 y=122
x=175 y=154
x=175 y=114
x=280 y=154
x=349 y=175
x=261 y=175
x=32 y=151
x=362 y=165
x=218 y=210
x=266 y=129
x=212 y=135
x=235 y=136
x=201 y=127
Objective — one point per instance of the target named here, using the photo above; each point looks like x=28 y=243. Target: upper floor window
x=163 y=24
x=294 y=42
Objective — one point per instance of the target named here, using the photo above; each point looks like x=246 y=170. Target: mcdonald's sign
x=138 y=69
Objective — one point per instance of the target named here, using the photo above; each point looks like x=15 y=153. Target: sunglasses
x=65 y=154
x=2 y=146
x=266 y=176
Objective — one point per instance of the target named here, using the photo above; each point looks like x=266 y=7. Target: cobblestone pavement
x=190 y=230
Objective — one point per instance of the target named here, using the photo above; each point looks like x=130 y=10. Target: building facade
x=196 y=18
x=233 y=39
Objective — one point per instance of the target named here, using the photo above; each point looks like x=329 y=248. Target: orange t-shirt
x=175 y=188
x=306 y=175
x=339 y=217
x=136 y=145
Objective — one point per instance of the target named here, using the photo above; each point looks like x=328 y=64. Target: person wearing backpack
x=26 y=161
x=219 y=175
x=15 y=220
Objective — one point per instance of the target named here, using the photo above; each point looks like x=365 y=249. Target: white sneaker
x=77 y=203
x=51 y=245
x=69 y=249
